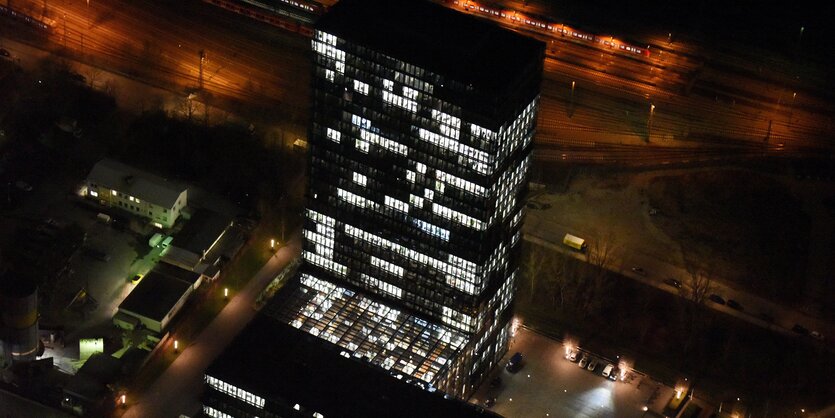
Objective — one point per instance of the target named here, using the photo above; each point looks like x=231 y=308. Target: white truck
x=574 y=242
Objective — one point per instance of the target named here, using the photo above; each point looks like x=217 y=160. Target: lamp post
x=649 y=120
x=571 y=100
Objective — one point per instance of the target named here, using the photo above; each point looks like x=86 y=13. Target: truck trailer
x=576 y=243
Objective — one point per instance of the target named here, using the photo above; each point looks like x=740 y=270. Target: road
x=178 y=390
x=542 y=230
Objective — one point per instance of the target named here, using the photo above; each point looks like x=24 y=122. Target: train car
x=266 y=16
x=543 y=24
x=303 y=11
x=45 y=24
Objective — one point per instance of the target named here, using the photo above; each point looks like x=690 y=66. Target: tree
x=536 y=262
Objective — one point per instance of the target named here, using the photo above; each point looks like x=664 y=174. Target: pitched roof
x=134 y=182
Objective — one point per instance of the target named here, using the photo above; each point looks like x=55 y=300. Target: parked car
x=22 y=185
x=735 y=305
x=515 y=363
x=584 y=361
x=800 y=329
x=489 y=402
x=5 y=53
x=609 y=371
x=593 y=363
x=672 y=282
x=816 y=335
x=572 y=356
x=96 y=254
x=716 y=299
x=639 y=270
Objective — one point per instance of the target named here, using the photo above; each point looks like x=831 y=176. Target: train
x=542 y=24
x=287 y=20
x=44 y=23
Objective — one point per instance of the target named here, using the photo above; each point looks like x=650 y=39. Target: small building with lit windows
x=118 y=185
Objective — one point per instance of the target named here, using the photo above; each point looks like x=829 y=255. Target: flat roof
x=201 y=231
x=176 y=272
x=281 y=364
x=442 y=40
x=155 y=295
x=134 y=182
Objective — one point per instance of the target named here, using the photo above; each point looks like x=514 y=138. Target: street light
x=176 y=346
x=226 y=293
x=649 y=121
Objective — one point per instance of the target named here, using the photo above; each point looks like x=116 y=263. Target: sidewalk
x=178 y=390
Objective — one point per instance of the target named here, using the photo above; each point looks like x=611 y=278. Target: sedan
x=593 y=364
x=572 y=356
x=672 y=282
x=639 y=270
x=5 y=53
x=735 y=305
x=716 y=299
x=584 y=362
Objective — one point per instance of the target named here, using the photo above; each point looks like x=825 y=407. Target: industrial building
x=420 y=147
x=118 y=185
x=18 y=320
x=157 y=298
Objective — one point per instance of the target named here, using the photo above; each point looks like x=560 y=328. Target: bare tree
x=535 y=263
x=698 y=286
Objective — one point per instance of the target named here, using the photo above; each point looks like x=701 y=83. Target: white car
x=609 y=370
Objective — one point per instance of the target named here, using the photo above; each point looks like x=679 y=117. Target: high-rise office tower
x=420 y=149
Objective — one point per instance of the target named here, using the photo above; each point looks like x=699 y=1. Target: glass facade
x=414 y=198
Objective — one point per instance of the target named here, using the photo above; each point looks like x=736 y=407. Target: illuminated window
x=334 y=135
x=360 y=179
x=94 y=193
x=330 y=75
x=360 y=87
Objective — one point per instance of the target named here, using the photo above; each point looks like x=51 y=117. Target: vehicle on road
x=716 y=299
x=533 y=204
x=640 y=271
x=609 y=371
x=5 y=53
x=136 y=279
x=800 y=329
x=574 y=242
x=672 y=282
x=583 y=361
x=766 y=317
x=593 y=363
x=816 y=335
x=489 y=402
x=515 y=363
x=735 y=305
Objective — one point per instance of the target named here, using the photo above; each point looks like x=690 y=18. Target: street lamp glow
x=176 y=345
x=225 y=292
x=272 y=243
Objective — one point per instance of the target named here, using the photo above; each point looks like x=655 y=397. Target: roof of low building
x=155 y=295
x=135 y=182
x=176 y=272
x=282 y=364
x=201 y=231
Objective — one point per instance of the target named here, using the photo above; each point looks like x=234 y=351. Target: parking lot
x=548 y=385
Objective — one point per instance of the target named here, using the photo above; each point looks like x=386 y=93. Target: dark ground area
x=669 y=336
x=742 y=226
